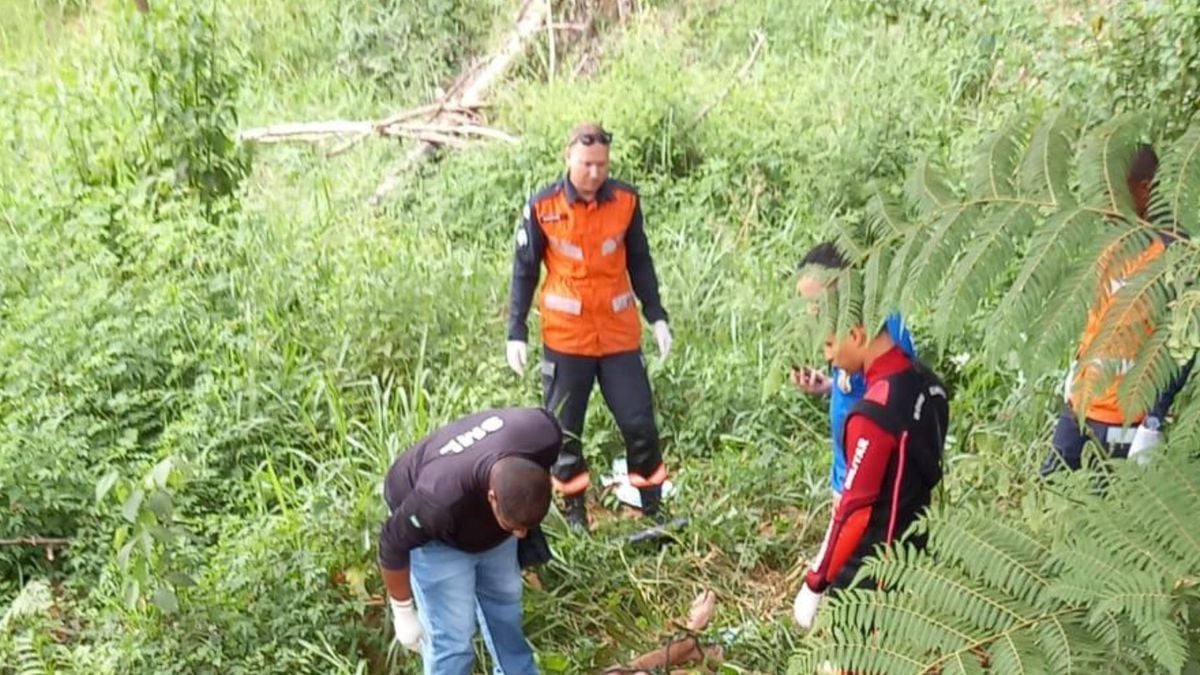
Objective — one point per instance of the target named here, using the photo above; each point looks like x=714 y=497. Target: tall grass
x=290 y=348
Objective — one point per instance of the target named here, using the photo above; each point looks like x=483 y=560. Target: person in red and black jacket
x=894 y=439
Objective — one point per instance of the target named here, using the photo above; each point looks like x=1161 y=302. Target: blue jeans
x=454 y=589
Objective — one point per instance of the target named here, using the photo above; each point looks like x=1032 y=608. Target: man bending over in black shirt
x=459 y=500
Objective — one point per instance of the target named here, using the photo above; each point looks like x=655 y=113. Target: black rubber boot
x=651 y=502
x=575 y=512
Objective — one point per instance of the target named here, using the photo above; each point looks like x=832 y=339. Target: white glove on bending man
x=406 y=624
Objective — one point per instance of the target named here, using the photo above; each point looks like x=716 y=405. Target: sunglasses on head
x=604 y=138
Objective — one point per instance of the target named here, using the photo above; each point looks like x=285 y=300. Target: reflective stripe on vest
x=561 y=303
x=622 y=302
x=566 y=248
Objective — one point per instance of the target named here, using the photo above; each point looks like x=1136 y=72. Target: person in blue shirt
x=844 y=390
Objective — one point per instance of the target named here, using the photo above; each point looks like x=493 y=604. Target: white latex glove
x=408 y=628
x=517 y=355
x=662 y=335
x=1144 y=440
x=804 y=609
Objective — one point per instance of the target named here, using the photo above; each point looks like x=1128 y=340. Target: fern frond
x=1169 y=513
x=1129 y=545
x=1144 y=599
x=898 y=274
x=1153 y=371
x=1183 y=435
x=1138 y=307
x=1147 y=511
x=1176 y=196
x=888 y=216
x=1017 y=652
x=1142 y=297
x=1000 y=555
x=1104 y=158
x=849 y=242
x=1166 y=643
x=995 y=171
x=848 y=292
x=963 y=664
x=1116 y=588
x=946 y=590
x=928 y=191
x=1064 y=313
x=987 y=256
x=858 y=655
x=875 y=306
x=938 y=251
x=1045 y=169
x=29 y=659
x=1069 y=646
x=903 y=620
x=1053 y=248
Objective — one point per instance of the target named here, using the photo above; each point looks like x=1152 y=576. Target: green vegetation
x=1107 y=583
x=209 y=353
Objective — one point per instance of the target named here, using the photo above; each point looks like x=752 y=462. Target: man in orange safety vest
x=586 y=228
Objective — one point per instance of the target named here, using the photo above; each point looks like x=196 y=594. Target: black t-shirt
x=437 y=489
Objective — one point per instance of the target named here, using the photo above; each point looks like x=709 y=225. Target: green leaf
x=1104 y=160
x=124 y=553
x=995 y=171
x=164 y=599
x=162 y=534
x=106 y=483
x=554 y=663
x=133 y=593
x=160 y=504
x=1175 y=201
x=160 y=474
x=180 y=580
x=928 y=190
x=132 y=505
x=775 y=377
x=1045 y=169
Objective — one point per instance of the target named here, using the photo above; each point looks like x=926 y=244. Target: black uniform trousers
x=1069 y=441
x=567 y=382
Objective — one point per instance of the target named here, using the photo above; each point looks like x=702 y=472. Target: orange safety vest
x=587 y=303
x=1087 y=391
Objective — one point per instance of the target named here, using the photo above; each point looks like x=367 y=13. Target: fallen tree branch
x=347 y=145
x=464 y=128
x=36 y=541
x=454 y=116
x=470 y=89
x=293 y=131
x=394 y=126
x=760 y=39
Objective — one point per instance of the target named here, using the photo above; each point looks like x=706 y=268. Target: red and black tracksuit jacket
x=894 y=439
